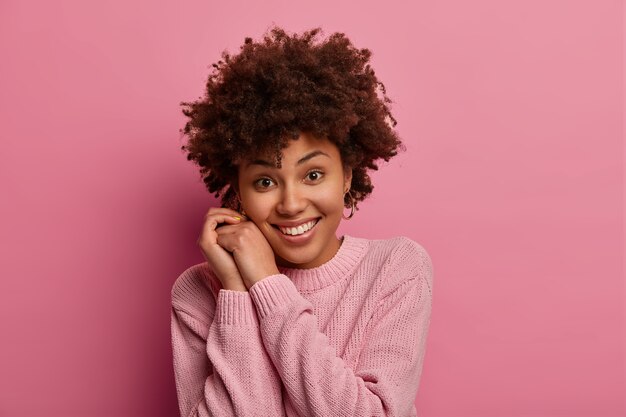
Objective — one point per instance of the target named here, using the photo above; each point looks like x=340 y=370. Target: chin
x=293 y=260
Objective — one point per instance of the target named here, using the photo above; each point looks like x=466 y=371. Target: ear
x=347 y=178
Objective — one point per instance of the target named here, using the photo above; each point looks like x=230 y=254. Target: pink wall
x=512 y=113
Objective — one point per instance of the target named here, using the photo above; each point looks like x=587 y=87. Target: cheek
x=329 y=201
x=258 y=206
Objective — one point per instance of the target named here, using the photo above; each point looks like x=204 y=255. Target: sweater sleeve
x=220 y=366
x=317 y=381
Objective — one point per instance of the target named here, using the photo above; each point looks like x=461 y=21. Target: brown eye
x=263 y=182
x=315 y=175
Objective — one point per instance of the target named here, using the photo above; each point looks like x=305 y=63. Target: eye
x=314 y=175
x=263 y=182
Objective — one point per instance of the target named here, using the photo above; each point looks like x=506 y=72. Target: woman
x=284 y=318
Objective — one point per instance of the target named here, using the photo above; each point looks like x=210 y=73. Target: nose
x=292 y=201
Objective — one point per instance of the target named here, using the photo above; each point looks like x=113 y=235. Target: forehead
x=298 y=150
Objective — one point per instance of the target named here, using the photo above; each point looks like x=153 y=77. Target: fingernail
x=236 y=217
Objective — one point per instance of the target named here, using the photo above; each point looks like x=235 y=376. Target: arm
x=221 y=368
x=318 y=382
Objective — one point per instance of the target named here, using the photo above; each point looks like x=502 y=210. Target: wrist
x=234 y=286
x=250 y=282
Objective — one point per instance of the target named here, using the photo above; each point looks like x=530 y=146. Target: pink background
x=513 y=117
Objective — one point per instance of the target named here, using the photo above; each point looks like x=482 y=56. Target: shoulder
x=404 y=262
x=399 y=251
x=194 y=291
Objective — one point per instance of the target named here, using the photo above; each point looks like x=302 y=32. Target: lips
x=295 y=223
x=295 y=231
x=298 y=239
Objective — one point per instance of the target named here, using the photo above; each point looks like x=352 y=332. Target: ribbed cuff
x=272 y=293
x=235 y=308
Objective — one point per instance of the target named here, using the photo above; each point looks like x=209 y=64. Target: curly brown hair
x=274 y=89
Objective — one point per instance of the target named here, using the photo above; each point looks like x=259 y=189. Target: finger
x=208 y=232
x=225 y=240
x=224 y=210
x=225 y=228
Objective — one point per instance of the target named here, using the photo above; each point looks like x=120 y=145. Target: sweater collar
x=339 y=266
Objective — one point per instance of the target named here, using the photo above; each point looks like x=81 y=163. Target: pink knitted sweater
x=346 y=338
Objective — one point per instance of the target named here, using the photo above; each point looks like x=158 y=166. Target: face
x=306 y=192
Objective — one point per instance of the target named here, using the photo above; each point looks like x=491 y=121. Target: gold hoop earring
x=352 y=206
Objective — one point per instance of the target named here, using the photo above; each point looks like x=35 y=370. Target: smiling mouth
x=296 y=231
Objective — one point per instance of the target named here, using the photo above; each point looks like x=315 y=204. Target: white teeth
x=298 y=230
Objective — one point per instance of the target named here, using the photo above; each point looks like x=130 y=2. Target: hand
x=251 y=250
x=222 y=262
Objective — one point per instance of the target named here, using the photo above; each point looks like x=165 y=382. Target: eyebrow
x=300 y=161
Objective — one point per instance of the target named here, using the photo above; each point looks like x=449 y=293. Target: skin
x=243 y=252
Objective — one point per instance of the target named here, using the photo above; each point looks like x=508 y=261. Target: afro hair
x=255 y=102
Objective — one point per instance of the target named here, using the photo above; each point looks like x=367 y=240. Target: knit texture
x=346 y=338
